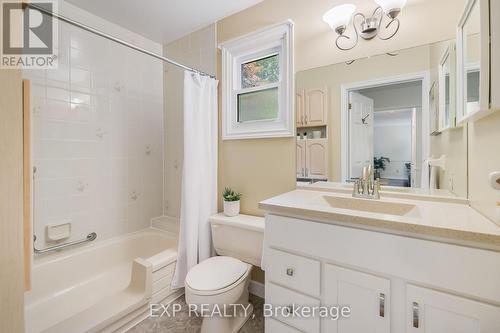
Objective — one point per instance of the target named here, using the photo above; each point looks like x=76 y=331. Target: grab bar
x=90 y=237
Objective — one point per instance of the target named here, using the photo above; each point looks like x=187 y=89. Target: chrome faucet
x=366 y=187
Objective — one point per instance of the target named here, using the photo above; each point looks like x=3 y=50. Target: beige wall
x=258 y=168
x=334 y=76
x=452 y=143
x=11 y=191
x=196 y=50
x=484 y=157
x=314 y=39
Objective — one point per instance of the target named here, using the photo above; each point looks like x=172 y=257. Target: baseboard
x=257 y=289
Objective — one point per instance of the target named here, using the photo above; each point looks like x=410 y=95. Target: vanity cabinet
x=312 y=158
x=432 y=311
x=367 y=295
x=311 y=107
x=391 y=283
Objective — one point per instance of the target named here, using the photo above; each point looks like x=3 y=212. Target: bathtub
x=105 y=286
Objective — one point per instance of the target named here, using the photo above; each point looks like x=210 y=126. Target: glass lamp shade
x=339 y=16
x=388 y=5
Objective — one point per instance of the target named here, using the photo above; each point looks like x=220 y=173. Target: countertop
x=450 y=222
x=390 y=191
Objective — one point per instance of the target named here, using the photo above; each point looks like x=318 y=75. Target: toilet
x=219 y=285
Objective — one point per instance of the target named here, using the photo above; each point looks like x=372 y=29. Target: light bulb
x=339 y=16
x=391 y=7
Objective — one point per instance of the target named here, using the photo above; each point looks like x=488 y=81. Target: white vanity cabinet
x=431 y=311
x=367 y=295
x=391 y=283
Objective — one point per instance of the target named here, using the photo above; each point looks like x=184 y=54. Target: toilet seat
x=216 y=274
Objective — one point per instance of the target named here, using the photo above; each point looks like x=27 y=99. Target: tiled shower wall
x=97 y=134
x=197 y=50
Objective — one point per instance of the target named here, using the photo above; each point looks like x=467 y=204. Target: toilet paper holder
x=495 y=180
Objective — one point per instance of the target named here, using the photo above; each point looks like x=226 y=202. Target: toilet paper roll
x=495 y=180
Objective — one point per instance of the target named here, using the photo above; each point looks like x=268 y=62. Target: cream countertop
x=390 y=191
x=441 y=221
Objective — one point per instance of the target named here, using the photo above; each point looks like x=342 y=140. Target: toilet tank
x=239 y=237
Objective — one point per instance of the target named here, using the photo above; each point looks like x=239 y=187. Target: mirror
x=400 y=110
x=447 y=88
x=395 y=111
x=469 y=59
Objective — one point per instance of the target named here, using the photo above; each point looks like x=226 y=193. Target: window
x=258 y=83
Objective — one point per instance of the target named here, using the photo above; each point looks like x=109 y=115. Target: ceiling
x=422 y=22
x=163 y=21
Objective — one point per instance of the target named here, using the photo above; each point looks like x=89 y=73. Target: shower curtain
x=199 y=174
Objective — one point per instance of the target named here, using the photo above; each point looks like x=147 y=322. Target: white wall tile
x=98 y=134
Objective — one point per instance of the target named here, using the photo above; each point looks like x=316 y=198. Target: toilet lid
x=215 y=273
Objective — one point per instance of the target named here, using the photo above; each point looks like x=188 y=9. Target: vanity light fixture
x=339 y=18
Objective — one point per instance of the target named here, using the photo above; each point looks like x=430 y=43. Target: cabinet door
x=301 y=158
x=431 y=311
x=299 y=107
x=367 y=295
x=317 y=158
x=316 y=107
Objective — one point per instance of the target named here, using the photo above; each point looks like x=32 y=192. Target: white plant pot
x=231 y=208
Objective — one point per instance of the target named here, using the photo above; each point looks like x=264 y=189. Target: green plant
x=230 y=195
x=380 y=163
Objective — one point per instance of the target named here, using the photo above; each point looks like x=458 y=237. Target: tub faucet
x=366 y=187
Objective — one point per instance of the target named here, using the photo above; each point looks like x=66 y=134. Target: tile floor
x=185 y=324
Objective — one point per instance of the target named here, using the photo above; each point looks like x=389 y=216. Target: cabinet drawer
x=280 y=298
x=295 y=272
x=274 y=326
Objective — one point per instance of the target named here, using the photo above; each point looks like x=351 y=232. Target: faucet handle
x=370 y=170
x=355 y=187
x=376 y=189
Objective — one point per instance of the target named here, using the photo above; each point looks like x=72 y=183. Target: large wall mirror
x=396 y=111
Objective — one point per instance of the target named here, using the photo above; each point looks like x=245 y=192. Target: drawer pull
x=415 y=314
x=289 y=271
x=381 y=309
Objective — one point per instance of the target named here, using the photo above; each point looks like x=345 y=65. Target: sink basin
x=371 y=206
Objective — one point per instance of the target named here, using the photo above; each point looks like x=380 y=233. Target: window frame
x=276 y=39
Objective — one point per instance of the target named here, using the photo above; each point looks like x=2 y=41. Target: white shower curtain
x=199 y=174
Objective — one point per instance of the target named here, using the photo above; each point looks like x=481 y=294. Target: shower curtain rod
x=114 y=39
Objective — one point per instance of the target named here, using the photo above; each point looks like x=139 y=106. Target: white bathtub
x=101 y=287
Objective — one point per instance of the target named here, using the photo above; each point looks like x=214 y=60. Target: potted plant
x=231 y=202
x=380 y=164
